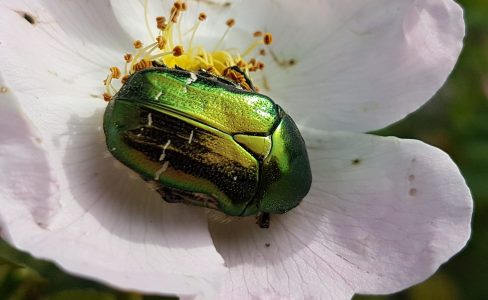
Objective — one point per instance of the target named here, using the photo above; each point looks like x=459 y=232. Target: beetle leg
x=263 y=220
x=158 y=64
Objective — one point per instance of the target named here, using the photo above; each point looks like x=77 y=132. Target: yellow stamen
x=230 y=23
x=201 y=17
x=115 y=72
x=164 y=51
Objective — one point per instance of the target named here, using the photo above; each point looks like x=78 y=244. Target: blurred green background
x=456 y=120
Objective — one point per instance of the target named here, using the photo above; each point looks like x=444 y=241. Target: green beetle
x=204 y=141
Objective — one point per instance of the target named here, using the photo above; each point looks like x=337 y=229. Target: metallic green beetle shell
x=206 y=142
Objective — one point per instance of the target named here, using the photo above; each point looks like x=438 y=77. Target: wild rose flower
x=382 y=214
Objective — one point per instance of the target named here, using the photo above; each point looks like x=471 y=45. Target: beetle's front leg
x=263 y=220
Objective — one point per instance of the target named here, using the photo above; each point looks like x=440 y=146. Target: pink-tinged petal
x=26 y=175
x=67 y=200
x=383 y=214
x=59 y=48
x=352 y=65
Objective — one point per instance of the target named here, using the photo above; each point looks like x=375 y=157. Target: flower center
x=174 y=48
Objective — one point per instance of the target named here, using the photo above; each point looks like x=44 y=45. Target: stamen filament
x=195 y=28
x=143 y=52
x=221 y=39
x=252 y=47
x=146 y=20
x=157 y=56
x=180 y=37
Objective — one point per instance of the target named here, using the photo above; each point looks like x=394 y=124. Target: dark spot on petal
x=95 y=96
x=267 y=245
x=411 y=177
x=38 y=140
x=29 y=18
x=412 y=192
x=292 y=62
x=42 y=225
x=356 y=161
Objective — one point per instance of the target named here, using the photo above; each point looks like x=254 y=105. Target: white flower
x=382 y=214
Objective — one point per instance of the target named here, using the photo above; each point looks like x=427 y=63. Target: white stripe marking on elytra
x=163 y=155
x=191 y=137
x=192 y=78
x=162 y=170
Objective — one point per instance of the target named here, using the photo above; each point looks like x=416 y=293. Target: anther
x=124 y=79
x=161 y=42
x=262 y=52
x=258 y=34
x=161 y=23
x=128 y=58
x=115 y=72
x=138 y=44
x=107 y=97
x=202 y=16
x=241 y=64
x=143 y=64
x=178 y=5
x=268 y=38
x=230 y=22
x=178 y=51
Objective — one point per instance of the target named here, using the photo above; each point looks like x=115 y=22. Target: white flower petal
x=357 y=66
x=382 y=215
x=67 y=44
x=21 y=171
x=66 y=201
x=130 y=14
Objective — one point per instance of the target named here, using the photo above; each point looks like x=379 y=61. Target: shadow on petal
x=120 y=201
x=99 y=26
x=244 y=242
x=27 y=183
